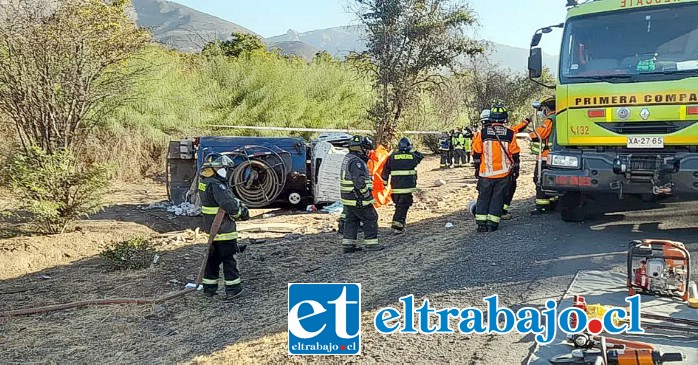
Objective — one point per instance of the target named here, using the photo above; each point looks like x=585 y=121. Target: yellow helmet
x=499 y=113
x=548 y=102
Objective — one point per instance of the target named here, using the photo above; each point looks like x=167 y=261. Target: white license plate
x=645 y=142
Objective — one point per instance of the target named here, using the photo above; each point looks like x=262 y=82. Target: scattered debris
x=45 y=277
x=174 y=281
x=192 y=285
x=184 y=209
x=334 y=208
x=449 y=225
x=311 y=208
x=440 y=182
x=156 y=257
x=268 y=215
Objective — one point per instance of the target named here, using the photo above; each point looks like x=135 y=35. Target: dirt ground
x=531 y=259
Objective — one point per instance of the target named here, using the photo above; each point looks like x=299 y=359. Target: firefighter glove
x=244 y=212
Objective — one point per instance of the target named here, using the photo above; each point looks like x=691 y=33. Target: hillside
x=182 y=27
x=296 y=48
x=339 y=41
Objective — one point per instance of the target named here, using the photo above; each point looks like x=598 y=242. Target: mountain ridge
x=180 y=26
x=339 y=41
x=188 y=30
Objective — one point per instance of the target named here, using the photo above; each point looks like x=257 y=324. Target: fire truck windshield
x=647 y=44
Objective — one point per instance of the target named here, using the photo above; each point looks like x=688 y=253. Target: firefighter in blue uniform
x=356 y=191
x=401 y=167
x=215 y=194
x=445 y=149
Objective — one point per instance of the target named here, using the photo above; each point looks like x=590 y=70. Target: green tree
x=411 y=43
x=239 y=44
x=55 y=188
x=484 y=83
x=62 y=69
x=323 y=57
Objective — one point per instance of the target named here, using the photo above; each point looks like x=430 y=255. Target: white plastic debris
x=334 y=208
x=192 y=285
x=267 y=215
x=449 y=225
x=184 y=209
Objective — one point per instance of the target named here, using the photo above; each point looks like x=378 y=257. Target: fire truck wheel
x=571 y=207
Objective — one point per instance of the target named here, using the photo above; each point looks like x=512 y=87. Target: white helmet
x=485 y=115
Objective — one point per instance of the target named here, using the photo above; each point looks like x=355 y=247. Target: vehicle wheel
x=294 y=198
x=571 y=207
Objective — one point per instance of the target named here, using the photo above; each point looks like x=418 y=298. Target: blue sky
x=510 y=22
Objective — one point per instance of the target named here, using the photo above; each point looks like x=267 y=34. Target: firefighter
x=215 y=194
x=401 y=167
x=544 y=203
x=451 y=151
x=356 y=191
x=496 y=156
x=467 y=142
x=518 y=128
x=458 y=143
x=484 y=117
x=445 y=149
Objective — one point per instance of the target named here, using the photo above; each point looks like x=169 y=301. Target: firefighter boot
x=210 y=290
x=233 y=291
x=351 y=249
x=349 y=246
x=482 y=228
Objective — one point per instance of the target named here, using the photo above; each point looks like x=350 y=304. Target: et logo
x=324 y=319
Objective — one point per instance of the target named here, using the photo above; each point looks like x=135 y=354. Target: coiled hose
x=84 y=303
x=261 y=176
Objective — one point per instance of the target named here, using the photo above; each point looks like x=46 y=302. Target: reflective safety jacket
x=468 y=144
x=215 y=193
x=521 y=126
x=544 y=131
x=495 y=151
x=356 y=181
x=445 y=142
x=458 y=141
x=402 y=168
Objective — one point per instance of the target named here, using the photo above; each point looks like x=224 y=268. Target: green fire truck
x=627 y=102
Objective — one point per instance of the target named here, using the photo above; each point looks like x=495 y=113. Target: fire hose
x=84 y=303
x=261 y=176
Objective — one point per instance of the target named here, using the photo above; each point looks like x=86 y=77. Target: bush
x=431 y=142
x=55 y=189
x=136 y=253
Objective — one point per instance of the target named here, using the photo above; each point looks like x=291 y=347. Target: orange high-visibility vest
x=376 y=161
